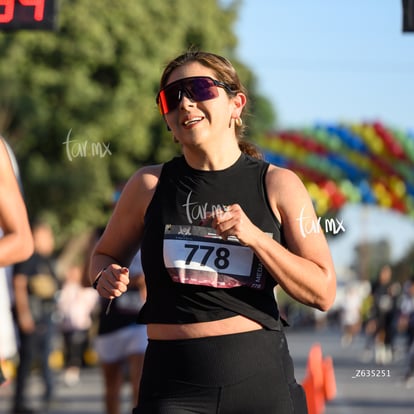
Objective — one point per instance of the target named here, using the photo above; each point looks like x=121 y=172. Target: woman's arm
x=17 y=243
x=122 y=236
x=304 y=269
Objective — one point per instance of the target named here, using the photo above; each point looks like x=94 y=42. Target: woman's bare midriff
x=235 y=324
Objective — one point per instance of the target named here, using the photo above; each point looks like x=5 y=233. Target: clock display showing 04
x=27 y=14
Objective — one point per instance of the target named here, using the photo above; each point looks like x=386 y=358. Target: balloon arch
x=365 y=163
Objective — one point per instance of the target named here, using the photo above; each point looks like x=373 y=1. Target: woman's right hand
x=113 y=281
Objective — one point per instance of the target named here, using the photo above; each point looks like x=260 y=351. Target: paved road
x=380 y=395
x=356 y=395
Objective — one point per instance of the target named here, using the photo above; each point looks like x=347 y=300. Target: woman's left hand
x=232 y=221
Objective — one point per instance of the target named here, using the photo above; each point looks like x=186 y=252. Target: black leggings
x=247 y=373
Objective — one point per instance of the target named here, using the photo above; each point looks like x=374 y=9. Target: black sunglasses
x=196 y=88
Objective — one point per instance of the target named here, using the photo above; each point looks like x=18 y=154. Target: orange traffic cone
x=314 y=382
x=319 y=383
x=329 y=381
x=314 y=365
x=308 y=387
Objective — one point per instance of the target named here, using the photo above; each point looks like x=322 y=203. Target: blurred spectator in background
x=16 y=244
x=121 y=342
x=75 y=305
x=35 y=286
x=351 y=313
x=406 y=326
x=382 y=309
x=391 y=321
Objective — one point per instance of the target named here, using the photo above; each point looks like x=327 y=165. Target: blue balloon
x=367 y=195
x=275 y=159
x=352 y=172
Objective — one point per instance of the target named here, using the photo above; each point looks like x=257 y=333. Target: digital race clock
x=27 y=14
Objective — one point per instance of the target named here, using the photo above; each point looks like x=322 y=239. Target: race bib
x=198 y=256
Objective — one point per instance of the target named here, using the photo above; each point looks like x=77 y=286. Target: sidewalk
x=86 y=397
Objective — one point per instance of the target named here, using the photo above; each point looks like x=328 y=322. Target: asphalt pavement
x=363 y=387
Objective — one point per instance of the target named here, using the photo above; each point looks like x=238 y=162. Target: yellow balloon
x=397 y=186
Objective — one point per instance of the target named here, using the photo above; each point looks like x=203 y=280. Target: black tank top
x=176 y=242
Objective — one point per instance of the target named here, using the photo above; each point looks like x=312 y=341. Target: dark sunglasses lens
x=168 y=98
x=202 y=89
x=197 y=89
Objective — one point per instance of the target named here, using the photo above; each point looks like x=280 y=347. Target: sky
x=330 y=60
x=335 y=61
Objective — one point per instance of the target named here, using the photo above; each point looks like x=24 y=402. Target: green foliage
x=77 y=104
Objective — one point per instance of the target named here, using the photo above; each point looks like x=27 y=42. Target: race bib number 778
x=196 y=255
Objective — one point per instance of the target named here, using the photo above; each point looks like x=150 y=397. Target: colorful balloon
x=348 y=163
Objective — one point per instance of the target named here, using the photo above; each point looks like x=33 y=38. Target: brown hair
x=225 y=72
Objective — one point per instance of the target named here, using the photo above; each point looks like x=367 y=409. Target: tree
x=370 y=257
x=404 y=268
x=77 y=104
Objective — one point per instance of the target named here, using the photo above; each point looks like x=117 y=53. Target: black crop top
x=191 y=274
